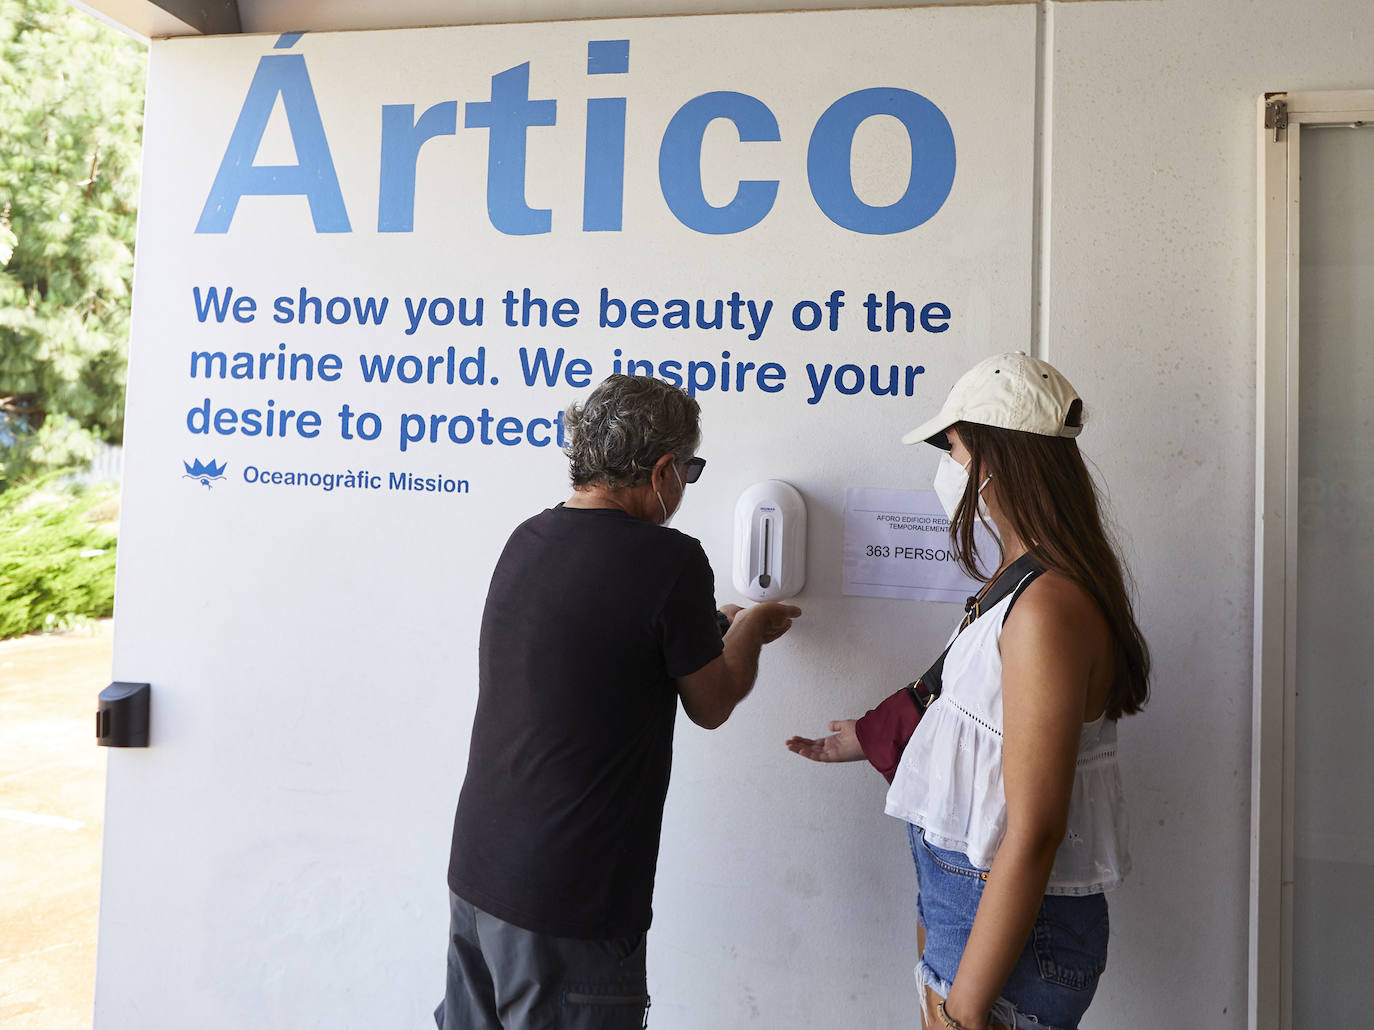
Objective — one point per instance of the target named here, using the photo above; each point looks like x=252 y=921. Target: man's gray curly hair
x=626 y=425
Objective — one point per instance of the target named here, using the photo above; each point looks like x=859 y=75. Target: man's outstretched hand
x=772 y=618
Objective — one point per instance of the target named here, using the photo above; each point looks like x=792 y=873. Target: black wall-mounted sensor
x=121 y=720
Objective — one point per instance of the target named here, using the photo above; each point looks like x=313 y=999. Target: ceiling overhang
x=159 y=19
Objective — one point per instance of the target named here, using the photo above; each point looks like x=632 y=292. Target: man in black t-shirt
x=598 y=620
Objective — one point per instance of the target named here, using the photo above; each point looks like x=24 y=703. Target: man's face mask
x=667 y=515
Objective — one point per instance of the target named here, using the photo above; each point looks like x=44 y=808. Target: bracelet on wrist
x=950 y=1021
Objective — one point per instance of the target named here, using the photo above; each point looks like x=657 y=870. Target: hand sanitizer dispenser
x=770 y=541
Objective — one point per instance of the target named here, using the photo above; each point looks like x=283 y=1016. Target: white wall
x=313 y=654
x=1153 y=282
x=1151 y=310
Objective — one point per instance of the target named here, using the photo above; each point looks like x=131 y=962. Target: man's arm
x=710 y=694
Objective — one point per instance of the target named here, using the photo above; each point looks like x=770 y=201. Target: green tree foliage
x=71 y=116
x=57 y=564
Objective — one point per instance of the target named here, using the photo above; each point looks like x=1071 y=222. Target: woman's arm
x=1055 y=653
x=880 y=736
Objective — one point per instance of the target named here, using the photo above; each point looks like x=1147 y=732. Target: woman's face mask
x=951 y=479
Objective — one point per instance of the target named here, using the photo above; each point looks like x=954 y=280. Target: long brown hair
x=1050 y=501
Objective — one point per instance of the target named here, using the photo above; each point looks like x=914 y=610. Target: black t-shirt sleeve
x=687 y=621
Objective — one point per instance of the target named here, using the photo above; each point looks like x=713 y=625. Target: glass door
x=1312 y=763
x=1333 y=753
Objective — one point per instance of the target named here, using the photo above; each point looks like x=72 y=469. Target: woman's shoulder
x=1053 y=604
x=1057 y=637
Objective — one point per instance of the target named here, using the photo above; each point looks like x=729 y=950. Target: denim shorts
x=1056 y=974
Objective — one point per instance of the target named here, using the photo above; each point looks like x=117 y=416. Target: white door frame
x=1282 y=117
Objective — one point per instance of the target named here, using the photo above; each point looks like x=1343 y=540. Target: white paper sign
x=896 y=544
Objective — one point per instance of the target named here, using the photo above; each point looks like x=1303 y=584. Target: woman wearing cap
x=1009 y=782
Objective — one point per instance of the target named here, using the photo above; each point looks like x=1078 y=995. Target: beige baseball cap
x=1009 y=391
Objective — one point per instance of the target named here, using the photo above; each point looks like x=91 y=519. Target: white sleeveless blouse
x=949 y=780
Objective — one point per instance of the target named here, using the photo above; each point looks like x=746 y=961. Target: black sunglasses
x=691 y=469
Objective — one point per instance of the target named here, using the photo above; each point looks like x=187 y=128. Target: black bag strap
x=1015 y=577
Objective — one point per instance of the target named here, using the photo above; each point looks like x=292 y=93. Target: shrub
x=57 y=555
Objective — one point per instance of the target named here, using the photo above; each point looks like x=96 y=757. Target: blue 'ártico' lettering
x=285 y=76
x=402 y=138
x=603 y=182
x=679 y=163
x=932 y=161
x=510 y=113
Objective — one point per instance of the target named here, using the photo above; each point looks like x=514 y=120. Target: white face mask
x=951 y=479
x=667 y=515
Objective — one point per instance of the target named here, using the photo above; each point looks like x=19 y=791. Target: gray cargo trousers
x=503 y=977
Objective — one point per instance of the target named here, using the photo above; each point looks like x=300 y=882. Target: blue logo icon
x=204 y=473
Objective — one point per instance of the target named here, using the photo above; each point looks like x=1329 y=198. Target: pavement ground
x=52 y=801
